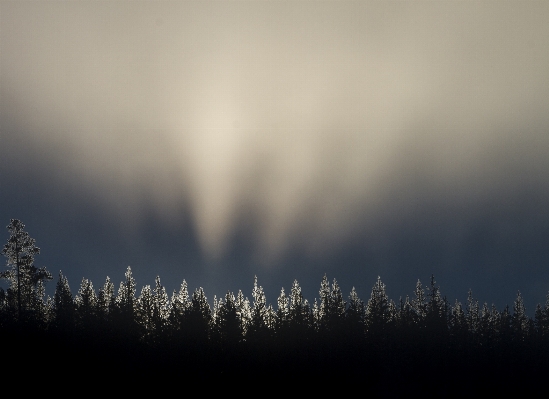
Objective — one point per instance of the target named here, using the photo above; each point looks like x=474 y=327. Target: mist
x=299 y=127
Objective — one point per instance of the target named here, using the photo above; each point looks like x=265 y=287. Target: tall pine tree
x=64 y=308
x=377 y=311
x=86 y=307
x=23 y=276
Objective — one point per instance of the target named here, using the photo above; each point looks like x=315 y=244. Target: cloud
x=303 y=122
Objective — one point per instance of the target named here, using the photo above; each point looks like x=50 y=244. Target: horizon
x=211 y=299
x=212 y=142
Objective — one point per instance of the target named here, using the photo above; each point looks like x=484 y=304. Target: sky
x=215 y=141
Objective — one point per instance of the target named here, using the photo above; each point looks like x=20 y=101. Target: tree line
x=416 y=330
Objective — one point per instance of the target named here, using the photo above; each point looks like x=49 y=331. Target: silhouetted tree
x=282 y=313
x=505 y=329
x=519 y=320
x=436 y=315
x=258 y=329
x=545 y=318
x=354 y=316
x=320 y=310
x=86 y=306
x=179 y=305
x=106 y=305
x=64 y=307
x=243 y=311
x=541 y=321
x=199 y=318
x=40 y=306
x=145 y=311
x=473 y=317
x=419 y=306
x=377 y=310
x=485 y=327
x=335 y=316
x=161 y=310
x=495 y=324
x=405 y=316
x=270 y=318
x=299 y=312
x=22 y=275
x=124 y=315
x=329 y=312
x=228 y=331
x=459 y=329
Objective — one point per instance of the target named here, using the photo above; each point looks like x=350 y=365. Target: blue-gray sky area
x=215 y=141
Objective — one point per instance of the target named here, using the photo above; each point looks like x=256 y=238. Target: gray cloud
x=308 y=123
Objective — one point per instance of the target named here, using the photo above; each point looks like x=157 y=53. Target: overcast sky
x=213 y=141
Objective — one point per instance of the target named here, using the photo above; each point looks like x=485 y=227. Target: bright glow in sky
x=302 y=119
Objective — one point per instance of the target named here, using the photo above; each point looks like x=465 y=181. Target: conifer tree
x=405 y=319
x=270 y=318
x=316 y=316
x=227 y=322
x=485 y=327
x=298 y=309
x=145 y=313
x=495 y=323
x=282 y=312
x=472 y=313
x=419 y=306
x=296 y=300
x=243 y=311
x=324 y=303
x=392 y=314
x=125 y=299
x=519 y=320
x=458 y=324
x=86 y=306
x=356 y=306
x=258 y=321
x=183 y=296
x=125 y=315
x=377 y=310
x=540 y=320
x=106 y=303
x=505 y=329
x=216 y=305
x=436 y=311
x=39 y=305
x=336 y=308
x=22 y=275
x=179 y=306
x=64 y=307
x=161 y=308
x=49 y=307
x=307 y=316
x=354 y=316
x=199 y=318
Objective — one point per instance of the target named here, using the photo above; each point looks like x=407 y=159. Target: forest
x=388 y=344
